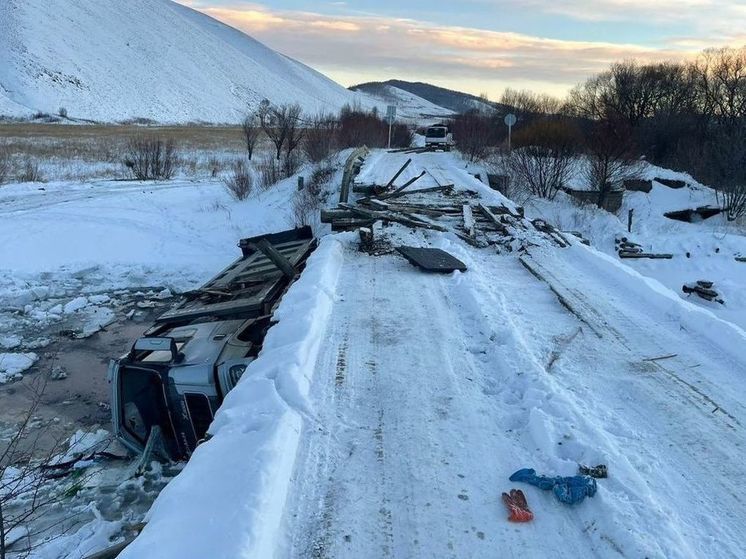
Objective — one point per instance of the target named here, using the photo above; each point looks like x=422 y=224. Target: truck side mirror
x=157 y=344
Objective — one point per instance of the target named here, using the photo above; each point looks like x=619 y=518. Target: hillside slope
x=111 y=61
x=455 y=101
x=408 y=104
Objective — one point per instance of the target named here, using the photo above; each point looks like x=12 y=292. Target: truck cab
x=438 y=137
x=175 y=377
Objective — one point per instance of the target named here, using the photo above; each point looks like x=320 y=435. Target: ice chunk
x=13 y=364
x=75 y=305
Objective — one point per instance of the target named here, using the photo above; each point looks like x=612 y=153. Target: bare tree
x=722 y=164
x=543 y=158
x=295 y=135
x=472 y=133
x=240 y=182
x=5 y=164
x=279 y=123
x=251 y=128
x=30 y=170
x=525 y=102
x=150 y=158
x=270 y=172
x=610 y=157
x=722 y=84
x=305 y=206
x=25 y=491
x=320 y=136
x=358 y=128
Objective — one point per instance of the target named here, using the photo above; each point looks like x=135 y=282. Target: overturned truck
x=166 y=390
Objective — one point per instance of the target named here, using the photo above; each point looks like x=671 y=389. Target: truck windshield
x=143 y=404
x=436 y=133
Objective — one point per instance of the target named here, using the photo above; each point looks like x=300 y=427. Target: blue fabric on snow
x=568 y=490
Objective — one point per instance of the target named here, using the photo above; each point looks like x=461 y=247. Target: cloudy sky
x=482 y=46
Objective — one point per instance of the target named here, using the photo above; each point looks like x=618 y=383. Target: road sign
x=510 y=120
x=391 y=114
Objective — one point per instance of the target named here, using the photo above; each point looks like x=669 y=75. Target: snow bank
x=228 y=501
x=701 y=251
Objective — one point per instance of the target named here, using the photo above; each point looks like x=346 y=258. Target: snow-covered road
x=432 y=390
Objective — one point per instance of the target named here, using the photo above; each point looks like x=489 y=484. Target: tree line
x=688 y=115
x=317 y=136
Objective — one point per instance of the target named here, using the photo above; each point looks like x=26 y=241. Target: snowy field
x=389 y=407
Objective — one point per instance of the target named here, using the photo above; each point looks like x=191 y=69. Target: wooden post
x=629 y=220
x=300 y=182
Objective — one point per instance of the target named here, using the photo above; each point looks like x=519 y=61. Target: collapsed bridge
x=388 y=407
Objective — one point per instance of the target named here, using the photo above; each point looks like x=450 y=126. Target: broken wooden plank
x=533 y=269
x=492 y=218
x=368 y=189
x=399 y=172
x=404 y=219
x=544 y=227
x=653 y=256
x=266 y=248
x=402 y=187
x=662 y=357
x=432 y=211
x=329 y=216
x=347 y=224
x=421 y=191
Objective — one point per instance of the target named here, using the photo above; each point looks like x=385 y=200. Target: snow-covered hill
x=110 y=60
x=449 y=99
x=409 y=105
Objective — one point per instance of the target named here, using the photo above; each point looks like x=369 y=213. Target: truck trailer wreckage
x=166 y=390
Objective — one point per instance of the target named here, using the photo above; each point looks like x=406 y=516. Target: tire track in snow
x=405 y=488
x=642 y=424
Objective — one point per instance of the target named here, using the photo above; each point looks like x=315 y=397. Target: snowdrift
x=237 y=482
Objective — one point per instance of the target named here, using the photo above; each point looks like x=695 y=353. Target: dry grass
x=104 y=142
x=68 y=152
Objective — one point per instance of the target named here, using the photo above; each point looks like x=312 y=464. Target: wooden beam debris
x=492 y=218
x=544 y=227
x=399 y=172
x=401 y=217
x=266 y=248
x=651 y=255
x=445 y=188
x=329 y=216
x=402 y=187
x=662 y=357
